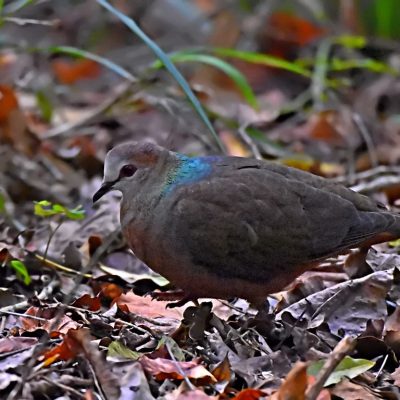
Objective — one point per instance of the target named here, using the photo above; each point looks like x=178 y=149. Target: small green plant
x=45 y=208
x=21 y=271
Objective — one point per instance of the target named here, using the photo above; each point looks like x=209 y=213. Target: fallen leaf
x=249 y=394
x=295 y=385
x=162 y=368
x=88 y=302
x=347 y=368
x=69 y=72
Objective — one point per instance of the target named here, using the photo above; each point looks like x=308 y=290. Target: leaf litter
x=77 y=316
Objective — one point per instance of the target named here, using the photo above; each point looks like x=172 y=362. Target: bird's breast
x=141 y=227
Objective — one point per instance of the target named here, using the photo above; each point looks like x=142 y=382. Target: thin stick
x=342 y=349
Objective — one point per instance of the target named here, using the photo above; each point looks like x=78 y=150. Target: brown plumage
x=228 y=226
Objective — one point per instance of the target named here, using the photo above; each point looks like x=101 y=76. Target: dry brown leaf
x=88 y=302
x=351 y=391
x=57 y=325
x=162 y=368
x=249 y=394
x=79 y=342
x=146 y=307
x=295 y=385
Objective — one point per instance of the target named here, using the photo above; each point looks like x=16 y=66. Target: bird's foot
x=183 y=301
x=172 y=295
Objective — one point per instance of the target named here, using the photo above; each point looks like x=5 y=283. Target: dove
x=223 y=227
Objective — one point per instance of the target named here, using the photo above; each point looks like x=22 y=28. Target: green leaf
x=370 y=64
x=239 y=79
x=348 y=367
x=45 y=208
x=45 y=105
x=75 y=213
x=21 y=271
x=131 y=24
x=172 y=346
x=2 y=203
x=105 y=62
x=262 y=59
x=351 y=41
x=41 y=208
x=117 y=349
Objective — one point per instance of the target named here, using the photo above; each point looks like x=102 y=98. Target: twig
x=29 y=21
x=109 y=317
x=100 y=109
x=52 y=233
x=320 y=70
x=46 y=291
x=179 y=368
x=67 y=298
x=101 y=393
x=65 y=388
x=382 y=366
x=359 y=123
x=23 y=315
x=342 y=349
x=370 y=173
x=249 y=141
x=55 y=265
x=377 y=184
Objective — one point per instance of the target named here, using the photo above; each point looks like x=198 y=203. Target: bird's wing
x=247 y=221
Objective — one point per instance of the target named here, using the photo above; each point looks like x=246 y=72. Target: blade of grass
x=369 y=64
x=75 y=52
x=131 y=24
x=262 y=59
x=383 y=13
x=239 y=79
x=320 y=70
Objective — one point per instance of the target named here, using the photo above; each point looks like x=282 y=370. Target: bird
x=231 y=227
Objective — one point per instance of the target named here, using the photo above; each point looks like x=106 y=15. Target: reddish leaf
x=79 y=342
x=8 y=102
x=162 y=369
x=69 y=72
x=293 y=29
x=146 y=307
x=188 y=395
x=88 y=302
x=111 y=291
x=222 y=372
x=249 y=394
x=53 y=324
x=295 y=384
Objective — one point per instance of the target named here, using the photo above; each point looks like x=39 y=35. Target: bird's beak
x=104 y=188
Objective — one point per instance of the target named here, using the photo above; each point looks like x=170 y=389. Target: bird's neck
x=187 y=170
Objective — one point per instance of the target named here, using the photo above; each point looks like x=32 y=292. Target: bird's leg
x=185 y=299
x=356 y=264
x=179 y=295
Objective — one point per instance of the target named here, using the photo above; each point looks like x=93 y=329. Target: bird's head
x=127 y=164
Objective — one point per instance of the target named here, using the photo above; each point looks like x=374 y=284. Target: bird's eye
x=127 y=170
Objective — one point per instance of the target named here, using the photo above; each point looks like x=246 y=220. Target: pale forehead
x=126 y=153
x=123 y=151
